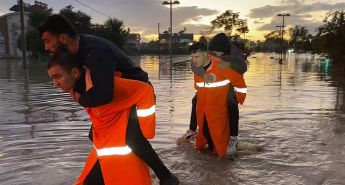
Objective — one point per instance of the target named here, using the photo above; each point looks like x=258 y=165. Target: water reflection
x=291 y=127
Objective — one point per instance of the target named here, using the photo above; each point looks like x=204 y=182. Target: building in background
x=132 y=43
x=10 y=28
x=2 y=46
x=28 y=7
x=180 y=41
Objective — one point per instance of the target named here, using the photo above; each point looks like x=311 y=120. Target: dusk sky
x=142 y=16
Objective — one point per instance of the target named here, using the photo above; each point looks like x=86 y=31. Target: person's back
x=120 y=61
x=118 y=163
x=129 y=93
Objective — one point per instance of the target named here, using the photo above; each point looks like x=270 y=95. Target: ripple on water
x=291 y=126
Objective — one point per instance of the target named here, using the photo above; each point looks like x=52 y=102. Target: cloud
x=297 y=20
x=291 y=2
x=257 y=22
x=269 y=11
x=144 y=15
x=181 y=18
x=266 y=11
x=5 y=5
x=309 y=15
x=140 y=15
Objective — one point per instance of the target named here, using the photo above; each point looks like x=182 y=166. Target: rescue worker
x=211 y=106
x=230 y=56
x=111 y=160
x=103 y=58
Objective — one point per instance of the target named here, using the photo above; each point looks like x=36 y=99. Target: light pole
x=22 y=28
x=170 y=3
x=282 y=35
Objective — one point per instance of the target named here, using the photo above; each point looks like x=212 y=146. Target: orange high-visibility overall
x=212 y=103
x=118 y=163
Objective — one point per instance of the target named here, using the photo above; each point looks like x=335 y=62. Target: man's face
x=63 y=79
x=199 y=58
x=52 y=43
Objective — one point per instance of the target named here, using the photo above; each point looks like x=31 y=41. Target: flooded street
x=292 y=125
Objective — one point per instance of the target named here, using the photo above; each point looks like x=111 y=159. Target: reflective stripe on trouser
x=122 y=150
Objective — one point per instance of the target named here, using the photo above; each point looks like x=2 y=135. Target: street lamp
x=170 y=29
x=22 y=28
x=283 y=25
x=282 y=35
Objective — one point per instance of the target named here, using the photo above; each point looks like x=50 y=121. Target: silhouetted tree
x=228 y=21
x=80 y=20
x=272 y=42
x=273 y=36
x=331 y=35
x=112 y=30
x=242 y=27
x=300 y=39
x=203 y=40
x=37 y=15
x=34 y=44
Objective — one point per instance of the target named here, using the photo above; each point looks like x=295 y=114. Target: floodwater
x=292 y=125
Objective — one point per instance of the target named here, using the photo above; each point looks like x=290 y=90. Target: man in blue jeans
x=231 y=57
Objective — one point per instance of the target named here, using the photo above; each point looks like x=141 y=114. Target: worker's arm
x=101 y=66
x=238 y=82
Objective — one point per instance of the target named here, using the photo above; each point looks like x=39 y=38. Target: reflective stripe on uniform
x=123 y=150
x=241 y=90
x=146 y=112
x=213 y=84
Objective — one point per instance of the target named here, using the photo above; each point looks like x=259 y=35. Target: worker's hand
x=223 y=65
x=208 y=78
x=75 y=95
x=88 y=81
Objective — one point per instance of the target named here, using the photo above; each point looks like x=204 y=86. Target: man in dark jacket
x=103 y=58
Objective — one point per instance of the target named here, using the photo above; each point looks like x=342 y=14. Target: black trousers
x=140 y=146
x=233 y=113
x=207 y=135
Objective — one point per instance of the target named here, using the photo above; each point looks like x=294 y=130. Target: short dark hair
x=65 y=60
x=57 y=24
x=197 y=47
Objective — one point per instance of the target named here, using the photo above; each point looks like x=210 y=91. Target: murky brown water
x=292 y=126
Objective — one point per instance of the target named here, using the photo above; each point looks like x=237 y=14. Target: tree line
x=112 y=30
x=329 y=39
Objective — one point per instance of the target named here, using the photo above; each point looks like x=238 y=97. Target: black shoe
x=172 y=180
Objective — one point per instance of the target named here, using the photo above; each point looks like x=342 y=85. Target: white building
x=133 y=42
x=10 y=29
x=2 y=46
